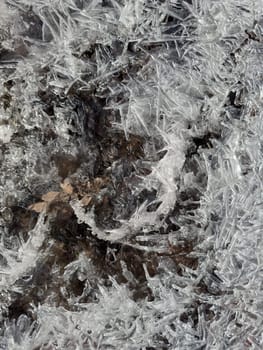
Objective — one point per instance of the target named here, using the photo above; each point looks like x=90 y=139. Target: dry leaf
x=86 y=200
x=66 y=186
x=50 y=196
x=38 y=207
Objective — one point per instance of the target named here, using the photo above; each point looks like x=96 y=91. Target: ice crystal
x=151 y=111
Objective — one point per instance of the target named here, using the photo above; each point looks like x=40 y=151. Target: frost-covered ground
x=131 y=174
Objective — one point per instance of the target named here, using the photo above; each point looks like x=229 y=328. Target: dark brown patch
x=181 y=254
x=66 y=164
x=24 y=221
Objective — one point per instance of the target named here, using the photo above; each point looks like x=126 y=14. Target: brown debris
x=66 y=164
x=67 y=187
x=50 y=196
x=86 y=200
x=51 y=200
x=38 y=207
x=59 y=201
x=89 y=188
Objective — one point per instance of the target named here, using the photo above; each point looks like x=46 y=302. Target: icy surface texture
x=131 y=138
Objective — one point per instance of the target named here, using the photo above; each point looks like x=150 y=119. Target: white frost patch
x=20 y=262
x=6 y=133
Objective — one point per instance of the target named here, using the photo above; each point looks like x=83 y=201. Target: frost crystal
x=131 y=174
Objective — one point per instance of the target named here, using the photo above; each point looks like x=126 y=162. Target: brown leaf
x=86 y=200
x=66 y=186
x=50 y=196
x=38 y=207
